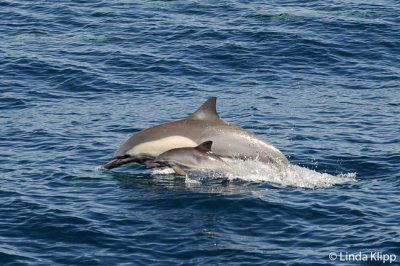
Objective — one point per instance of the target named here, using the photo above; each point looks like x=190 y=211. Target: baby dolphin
x=197 y=158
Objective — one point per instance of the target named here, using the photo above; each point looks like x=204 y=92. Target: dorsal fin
x=205 y=146
x=208 y=111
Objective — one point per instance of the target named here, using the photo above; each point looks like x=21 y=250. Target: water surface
x=320 y=80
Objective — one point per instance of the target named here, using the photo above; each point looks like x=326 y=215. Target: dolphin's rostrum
x=229 y=140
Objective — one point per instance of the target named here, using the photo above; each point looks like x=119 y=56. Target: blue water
x=318 y=79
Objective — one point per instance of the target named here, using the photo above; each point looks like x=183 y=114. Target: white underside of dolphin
x=229 y=140
x=156 y=147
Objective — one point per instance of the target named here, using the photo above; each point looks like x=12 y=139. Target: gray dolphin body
x=229 y=140
x=197 y=158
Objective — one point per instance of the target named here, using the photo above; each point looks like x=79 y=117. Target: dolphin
x=229 y=140
x=197 y=158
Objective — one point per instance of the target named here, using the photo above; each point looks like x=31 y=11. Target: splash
x=163 y=171
x=292 y=176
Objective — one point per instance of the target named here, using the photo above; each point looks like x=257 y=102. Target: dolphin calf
x=229 y=140
x=197 y=158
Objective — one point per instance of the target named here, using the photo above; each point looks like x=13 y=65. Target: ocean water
x=318 y=79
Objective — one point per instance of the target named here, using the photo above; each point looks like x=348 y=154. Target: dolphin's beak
x=125 y=159
x=118 y=162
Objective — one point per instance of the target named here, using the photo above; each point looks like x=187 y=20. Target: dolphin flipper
x=179 y=171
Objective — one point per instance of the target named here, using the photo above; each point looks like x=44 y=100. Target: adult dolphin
x=198 y=158
x=229 y=140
